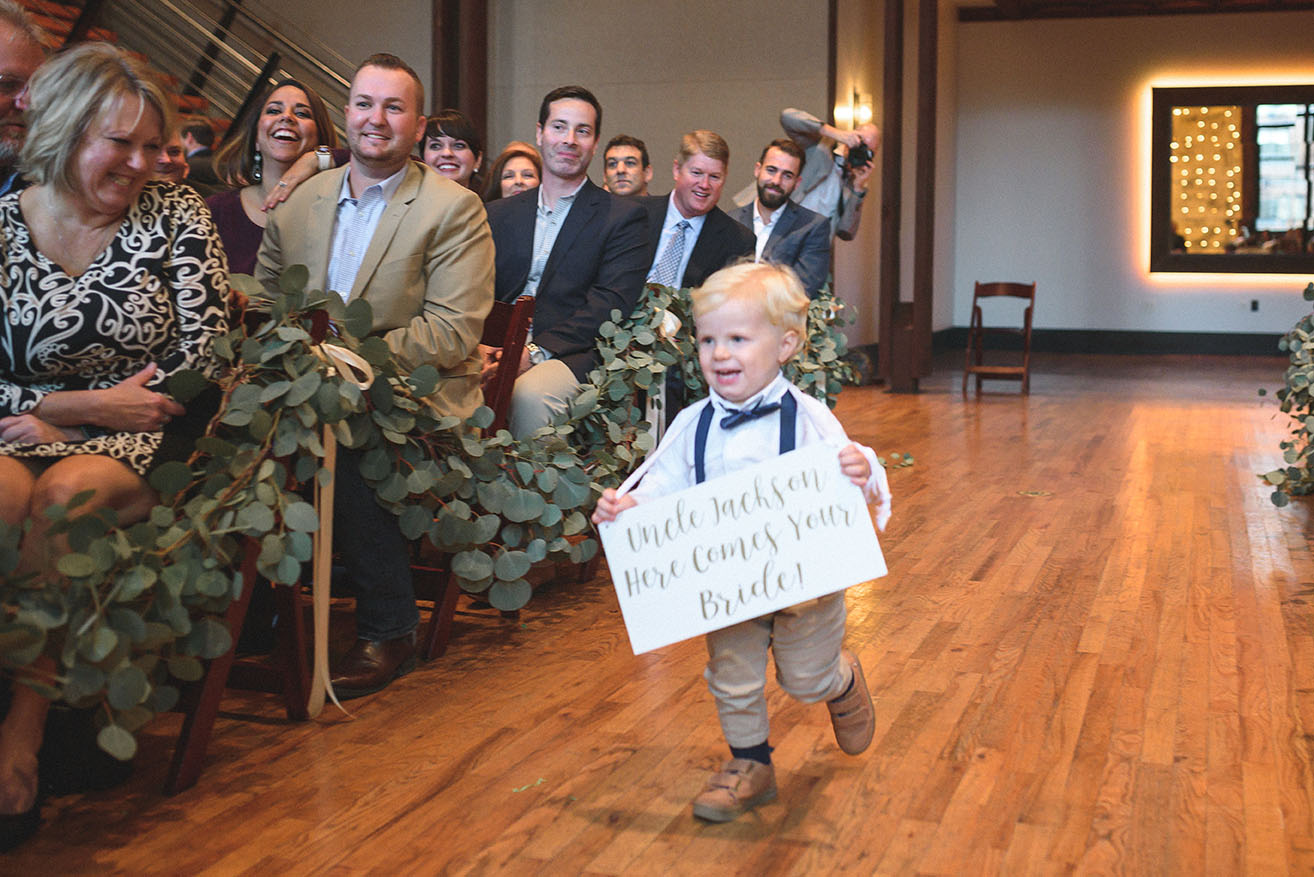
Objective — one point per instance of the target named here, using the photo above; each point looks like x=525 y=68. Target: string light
x=1204 y=149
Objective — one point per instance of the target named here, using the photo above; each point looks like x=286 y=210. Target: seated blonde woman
x=119 y=281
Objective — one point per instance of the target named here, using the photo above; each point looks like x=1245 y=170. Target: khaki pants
x=806 y=640
x=541 y=393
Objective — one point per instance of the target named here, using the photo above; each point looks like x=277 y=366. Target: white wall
x=660 y=69
x=1051 y=171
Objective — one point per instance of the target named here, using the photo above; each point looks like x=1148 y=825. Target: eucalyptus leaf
x=186 y=384
x=163 y=698
x=510 y=596
x=127 y=687
x=359 y=317
x=128 y=623
x=472 y=565
x=511 y=565
x=424 y=379
x=301 y=516
x=186 y=668
x=97 y=645
x=294 y=278
x=170 y=478
x=303 y=388
x=255 y=519
x=117 y=741
x=76 y=565
x=208 y=639
x=82 y=681
x=414 y=521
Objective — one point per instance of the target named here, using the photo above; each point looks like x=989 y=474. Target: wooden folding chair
x=289 y=674
x=507 y=327
x=977 y=331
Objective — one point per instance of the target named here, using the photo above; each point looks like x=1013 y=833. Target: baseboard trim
x=1108 y=341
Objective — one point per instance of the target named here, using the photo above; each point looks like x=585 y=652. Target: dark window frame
x=1162 y=259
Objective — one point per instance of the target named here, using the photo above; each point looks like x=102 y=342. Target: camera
x=859 y=156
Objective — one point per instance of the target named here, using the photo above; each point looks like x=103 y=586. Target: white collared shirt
x=547 y=225
x=672 y=462
x=354 y=227
x=673 y=218
x=763 y=228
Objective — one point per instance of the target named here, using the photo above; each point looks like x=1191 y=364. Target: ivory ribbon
x=348 y=364
x=355 y=369
x=321 y=575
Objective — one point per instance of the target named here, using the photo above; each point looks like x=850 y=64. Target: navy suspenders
x=788 y=417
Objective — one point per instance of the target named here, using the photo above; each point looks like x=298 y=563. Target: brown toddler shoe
x=737 y=788
x=852 y=713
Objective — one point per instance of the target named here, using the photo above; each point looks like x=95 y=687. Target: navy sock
x=761 y=753
x=852 y=679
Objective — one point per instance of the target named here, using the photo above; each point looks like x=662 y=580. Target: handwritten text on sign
x=767 y=537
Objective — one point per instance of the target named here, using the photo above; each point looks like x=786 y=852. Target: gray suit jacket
x=427 y=273
x=800 y=239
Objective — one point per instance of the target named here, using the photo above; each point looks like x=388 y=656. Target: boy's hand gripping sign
x=761 y=539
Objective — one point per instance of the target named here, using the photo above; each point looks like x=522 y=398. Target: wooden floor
x=1093 y=654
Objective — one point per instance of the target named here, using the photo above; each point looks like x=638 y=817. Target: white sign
x=761 y=539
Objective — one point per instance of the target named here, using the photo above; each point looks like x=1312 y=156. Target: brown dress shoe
x=370 y=665
x=737 y=788
x=852 y=715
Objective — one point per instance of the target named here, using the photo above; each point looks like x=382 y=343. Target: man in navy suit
x=689 y=237
x=786 y=233
x=578 y=250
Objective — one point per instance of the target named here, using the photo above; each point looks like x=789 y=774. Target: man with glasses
x=21 y=53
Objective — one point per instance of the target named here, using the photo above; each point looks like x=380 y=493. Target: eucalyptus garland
x=131 y=611
x=1296 y=400
x=128 y=612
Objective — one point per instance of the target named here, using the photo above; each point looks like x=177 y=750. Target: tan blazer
x=427 y=273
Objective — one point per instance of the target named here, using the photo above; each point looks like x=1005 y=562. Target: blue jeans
x=376 y=554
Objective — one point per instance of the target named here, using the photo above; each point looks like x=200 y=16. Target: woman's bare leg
x=118 y=487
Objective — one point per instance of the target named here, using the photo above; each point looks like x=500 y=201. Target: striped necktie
x=666 y=270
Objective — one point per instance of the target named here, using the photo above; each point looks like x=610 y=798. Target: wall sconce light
x=857 y=111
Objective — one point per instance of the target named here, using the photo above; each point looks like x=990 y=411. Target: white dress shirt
x=673 y=218
x=670 y=467
x=354 y=227
x=547 y=225
x=763 y=228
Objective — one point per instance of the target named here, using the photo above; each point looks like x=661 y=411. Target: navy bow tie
x=743 y=415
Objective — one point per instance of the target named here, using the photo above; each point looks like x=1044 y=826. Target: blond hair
x=68 y=93
x=775 y=287
x=16 y=16
x=709 y=143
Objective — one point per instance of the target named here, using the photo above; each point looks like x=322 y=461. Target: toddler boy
x=750 y=319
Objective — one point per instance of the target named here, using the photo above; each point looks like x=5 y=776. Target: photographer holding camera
x=838 y=164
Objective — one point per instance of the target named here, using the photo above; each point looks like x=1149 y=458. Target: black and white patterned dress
x=157 y=294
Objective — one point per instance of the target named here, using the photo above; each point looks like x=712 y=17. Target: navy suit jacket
x=800 y=239
x=598 y=263
x=721 y=242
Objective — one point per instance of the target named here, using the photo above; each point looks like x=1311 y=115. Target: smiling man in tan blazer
x=415 y=246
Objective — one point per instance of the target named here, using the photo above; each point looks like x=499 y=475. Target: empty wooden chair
x=977 y=332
